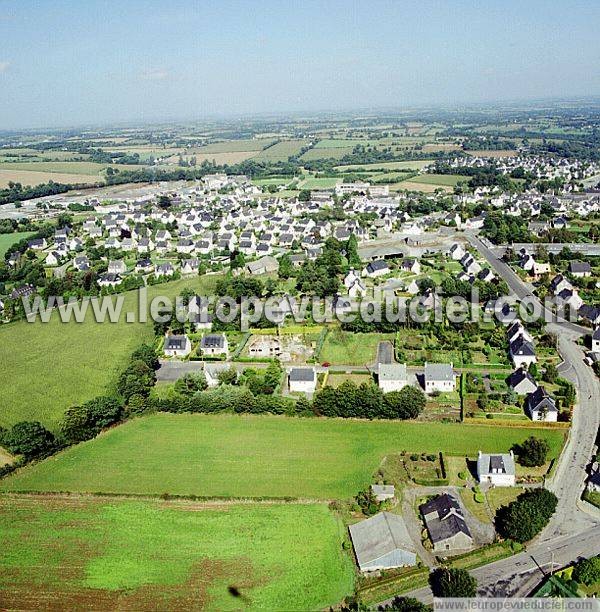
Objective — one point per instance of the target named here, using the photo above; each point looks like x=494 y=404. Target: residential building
x=498 y=470
x=302 y=380
x=392 y=376
x=177 y=346
x=541 y=406
x=446 y=525
x=214 y=345
x=439 y=377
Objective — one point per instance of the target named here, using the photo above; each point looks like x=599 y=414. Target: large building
x=382 y=542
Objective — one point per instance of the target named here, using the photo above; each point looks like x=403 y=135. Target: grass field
x=449 y=180
x=417 y=164
x=353 y=349
x=252 y=456
x=332 y=153
x=27 y=177
x=318 y=183
x=66 y=167
x=7 y=240
x=130 y=555
x=54 y=365
x=228 y=146
x=281 y=151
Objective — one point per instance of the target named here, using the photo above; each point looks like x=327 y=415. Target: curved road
x=572 y=533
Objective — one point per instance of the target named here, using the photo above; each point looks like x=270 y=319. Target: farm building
x=382 y=542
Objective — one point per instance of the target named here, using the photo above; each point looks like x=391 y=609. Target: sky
x=70 y=63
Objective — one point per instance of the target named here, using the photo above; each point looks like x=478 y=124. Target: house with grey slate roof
x=446 y=524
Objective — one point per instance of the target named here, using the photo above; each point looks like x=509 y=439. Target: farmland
x=281 y=151
x=54 y=365
x=28 y=177
x=139 y=555
x=6 y=240
x=252 y=456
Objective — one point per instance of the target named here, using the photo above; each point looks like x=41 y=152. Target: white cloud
x=4 y=66
x=155 y=75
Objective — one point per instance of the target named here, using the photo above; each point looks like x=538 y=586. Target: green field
x=7 y=240
x=281 y=151
x=347 y=348
x=252 y=456
x=449 y=180
x=84 y=167
x=332 y=153
x=229 y=146
x=94 y=554
x=417 y=164
x=318 y=183
x=54 y=365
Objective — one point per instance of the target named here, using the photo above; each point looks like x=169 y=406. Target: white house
x=214 y=344
x=302 y=380
x=376 y=268
x=596 y=340
x=541 y=406
x=498 y=470
x=177 y=346
x=392 y=376
x=439 y=377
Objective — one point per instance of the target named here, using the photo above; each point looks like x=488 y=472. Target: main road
x=571 y=533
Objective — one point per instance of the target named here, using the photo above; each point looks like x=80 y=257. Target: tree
x=164 y=201
x=352 y=252
x=137 y=379
x=405 y=604
x=587 y=571
x=526 y=516
x=286 y=268
x=551 y=373
x=304 y=195
x=452 y=582
x=407 y=403
x=532 y=452
x=75 y=425
x=228 y=377
x=191 y=383
x=30 y=439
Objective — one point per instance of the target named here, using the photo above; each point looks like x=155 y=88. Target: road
x=516 y=576
x=571 y=533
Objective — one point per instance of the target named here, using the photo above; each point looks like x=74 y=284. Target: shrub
x=452 y=582
x=526 y=516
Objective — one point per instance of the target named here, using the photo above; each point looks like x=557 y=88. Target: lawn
x=54 y=365
x=346 y=348
x=252 y=456
x=7 y=240
x=319 y=183
x=94 y=554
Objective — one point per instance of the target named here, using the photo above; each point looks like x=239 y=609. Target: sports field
x=128 y=555
x=252 y=456
x=54 y=365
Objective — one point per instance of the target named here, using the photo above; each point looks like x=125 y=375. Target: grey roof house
x=446 y=524
x=382 y=542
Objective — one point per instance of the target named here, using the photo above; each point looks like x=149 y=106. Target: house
x=212 y=371
x=580 y=269
x=264 y=265
x=596 y=340
x=165 y=269
x=52 y=258
x=302 y=380
x=383 y=492
x=357 y=288
x=23 y=291
x=392 y=376
x=143 y=266
x=411 y=265
x=558 y=283
x=376 y=268
x=177 y=346
x=541 y=406
x=593 y=481
x=382 y=542
x=521 y=382
x=37 y=244
x=81 y=263
x=117 y=266
x=190 y=266
x=214 y=344
x=446 y=524
x=109 y=280
x=457 y=252
x=589 y=313
x=439 y=377
x=522 y=352
x=498 y=470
